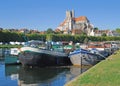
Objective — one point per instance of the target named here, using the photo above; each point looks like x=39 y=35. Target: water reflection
x=55 y=76
x=16 y=75
x=1 y=53
x=75 y=71
x=42 y=75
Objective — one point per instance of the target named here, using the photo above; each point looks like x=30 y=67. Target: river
x=16 y=75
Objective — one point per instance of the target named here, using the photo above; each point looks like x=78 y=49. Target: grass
x=10 y=46
x=105 y=73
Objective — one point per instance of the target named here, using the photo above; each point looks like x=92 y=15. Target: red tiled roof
x=81 y=18
x=96 y=45
x=101 y=31
x=57 y=30
x=63 y=23
x=42 y=32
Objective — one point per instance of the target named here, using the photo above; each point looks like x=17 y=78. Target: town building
x=107 y=32
x=73 y=25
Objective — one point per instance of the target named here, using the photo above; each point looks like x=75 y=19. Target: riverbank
x=105 y=73
x=10 y=46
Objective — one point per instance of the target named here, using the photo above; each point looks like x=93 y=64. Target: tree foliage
x=49 y=31
x=96 y=28
x=104 y=34
x=7 y=36
x=118 y=30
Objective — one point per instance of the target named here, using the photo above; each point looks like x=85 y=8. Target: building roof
x=63 y=22
x=57 y=30
x=81 y=18
x=101 y=31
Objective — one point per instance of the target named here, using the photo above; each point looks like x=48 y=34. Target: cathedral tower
x=69 y=19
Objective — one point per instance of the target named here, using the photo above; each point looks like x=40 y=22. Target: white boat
x=101 y=53
x=84 y=57
x=100 y=47
x=35 y=56
x=14 y=51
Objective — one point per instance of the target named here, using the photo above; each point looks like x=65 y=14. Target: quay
x=105 y=73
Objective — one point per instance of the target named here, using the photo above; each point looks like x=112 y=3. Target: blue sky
x=44 y=14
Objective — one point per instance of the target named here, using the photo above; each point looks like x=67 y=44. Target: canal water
x=16 y=75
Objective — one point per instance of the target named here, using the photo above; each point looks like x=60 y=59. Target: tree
x=83 y=34
x=118 y=30
x=61 y=32
x=1 y=29
x=86 y=40
x=104 y=34
x=96 y=28
x=49 y=31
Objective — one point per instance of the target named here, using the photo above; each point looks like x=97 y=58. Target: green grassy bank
x=105 y=73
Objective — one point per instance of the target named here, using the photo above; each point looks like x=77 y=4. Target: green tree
x=49 y=37
x=61 y=32
x=104 y=34
x=96 y=28
x=49 y=31
x=118 y=30
x=83 y=34
x=86 y=40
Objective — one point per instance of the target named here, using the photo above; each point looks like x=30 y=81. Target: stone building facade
x=72 y=25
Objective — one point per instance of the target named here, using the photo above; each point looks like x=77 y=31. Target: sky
x=44 y=14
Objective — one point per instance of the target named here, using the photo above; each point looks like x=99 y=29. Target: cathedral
x=72 y=25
